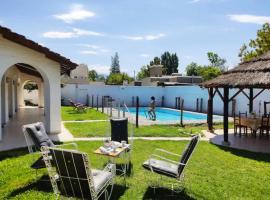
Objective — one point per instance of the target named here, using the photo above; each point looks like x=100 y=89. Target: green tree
x=169 y=62
x=156 y=61
x=143 y=73
x=209 y=72
x=115 y=65
x=216 y=61
x=258 y=46
x=118 y=79
x=30 y=86
x=92 y=75
x=193 y=69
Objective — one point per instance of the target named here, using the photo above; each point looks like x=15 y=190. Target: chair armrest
x=163 y=158
x=68 y=144
x=168 y=152
x=110 y=168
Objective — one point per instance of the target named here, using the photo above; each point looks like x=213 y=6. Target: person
x=152 y=109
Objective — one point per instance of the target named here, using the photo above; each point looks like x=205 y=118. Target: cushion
x=38 y=134
x=187 y=152
x=162 y=167
x=100 y=178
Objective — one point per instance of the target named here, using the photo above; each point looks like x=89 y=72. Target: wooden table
x=253 y=123
x=120 y=151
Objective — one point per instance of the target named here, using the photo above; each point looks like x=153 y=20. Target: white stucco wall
x=12 y=53
x=188 y=93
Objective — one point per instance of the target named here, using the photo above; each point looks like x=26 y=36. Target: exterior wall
x=12 y=53
x=156 y=71
x=188 y=93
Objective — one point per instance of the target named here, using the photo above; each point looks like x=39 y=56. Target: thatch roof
x=250 y=74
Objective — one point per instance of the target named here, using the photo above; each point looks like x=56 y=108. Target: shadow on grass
x=44 y=185
x=164 y=193
x=265 y=157
x=119 y=169
x=13 y=153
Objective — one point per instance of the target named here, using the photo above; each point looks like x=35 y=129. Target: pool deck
x=144 y=121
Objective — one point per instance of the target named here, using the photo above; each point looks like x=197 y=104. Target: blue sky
x=91 y=31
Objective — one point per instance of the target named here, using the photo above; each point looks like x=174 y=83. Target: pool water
x=165 y=114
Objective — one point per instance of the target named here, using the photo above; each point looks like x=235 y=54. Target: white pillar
x=6 y=101
x=40 y=95
x=13 y=111
x=52 y=92
x=3 y=98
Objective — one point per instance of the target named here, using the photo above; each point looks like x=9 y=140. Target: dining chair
x=238 y=124
x=265 y=125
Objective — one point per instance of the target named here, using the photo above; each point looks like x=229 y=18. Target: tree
x=156 y=61
x=216 y=61
x=118 y=79
x=115 y=66
x=258 y=46
x=92 y=75
x=209 y=72
x=143 y=73
x=30 y=86
x=193 y=69
x=169 y=62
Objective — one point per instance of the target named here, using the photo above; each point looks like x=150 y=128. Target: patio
x=12 y=132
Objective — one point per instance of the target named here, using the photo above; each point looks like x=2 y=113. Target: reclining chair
x=36 y=137
x=71 y=174
x=171 y=168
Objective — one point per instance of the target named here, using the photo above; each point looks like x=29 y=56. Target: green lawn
x=213 y=173
x=69 y=114
x=101 y=129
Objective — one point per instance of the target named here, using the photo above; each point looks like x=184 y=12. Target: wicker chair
x=171 y=168
x=71 y=174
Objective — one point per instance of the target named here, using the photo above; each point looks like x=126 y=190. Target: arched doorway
x=30 y=93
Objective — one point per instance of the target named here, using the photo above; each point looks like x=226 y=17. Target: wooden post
x=97 y=102
x=179 y=103
x=176 y=98
x=92 y=101
x=137 y=112
x=201 y=105
x=210 y=110
x=181 y=112
x=87 y=100
x=233 y=106
x=226 y=115
x=162 y=101
x=197 y=104
x=102 y=104
x=251 y=98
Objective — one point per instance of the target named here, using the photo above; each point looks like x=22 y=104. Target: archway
x=30 y=93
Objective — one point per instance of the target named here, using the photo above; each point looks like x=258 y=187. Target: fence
x=195 y=98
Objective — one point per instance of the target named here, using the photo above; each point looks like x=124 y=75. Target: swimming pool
x=166 y=114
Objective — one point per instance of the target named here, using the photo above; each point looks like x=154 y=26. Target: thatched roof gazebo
x=247 y=75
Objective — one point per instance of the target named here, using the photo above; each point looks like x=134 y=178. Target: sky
x=91 y=31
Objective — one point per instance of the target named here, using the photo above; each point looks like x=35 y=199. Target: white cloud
x=101 y=69
x=145 y=55
x=70 y=34
x=253 y=19
x=89 y=52
x=194 y=1
x=77 y=12
x=145 y=37
x=96 y=48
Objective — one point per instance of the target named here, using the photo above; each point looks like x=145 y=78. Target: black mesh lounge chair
x=71 y=174
x=171 y=168
x=36 y=137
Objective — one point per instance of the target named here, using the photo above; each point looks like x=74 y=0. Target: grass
x=101 y=129
x=69 y=114
x=213 y=173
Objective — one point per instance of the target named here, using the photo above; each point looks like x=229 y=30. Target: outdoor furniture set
x=70 y=170
x=252 y=124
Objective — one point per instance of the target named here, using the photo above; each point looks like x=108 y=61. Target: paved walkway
x=141 y=138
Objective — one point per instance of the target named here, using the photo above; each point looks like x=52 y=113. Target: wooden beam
x=251 y=100
x=210 y=110
x=240 y=90
x=220 y=95
x=245 y=93
x=258 y=94
x=226 y=115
